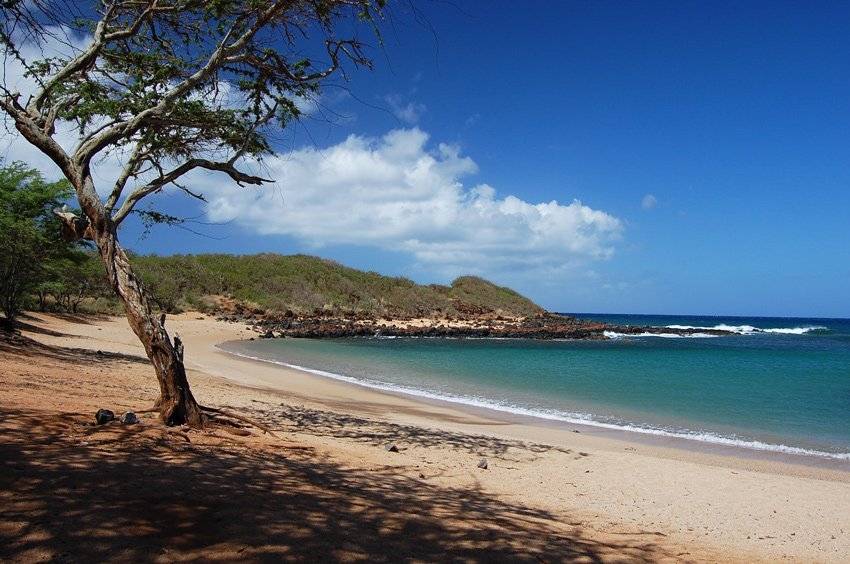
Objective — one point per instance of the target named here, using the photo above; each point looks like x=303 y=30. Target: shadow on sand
x=22 y=346
x=71 y=492
x=381 y=433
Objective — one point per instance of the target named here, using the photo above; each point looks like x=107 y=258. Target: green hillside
x=302 y=284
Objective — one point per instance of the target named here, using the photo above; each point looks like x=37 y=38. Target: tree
x=170 y=87
x=70 y=279
x=31 y=245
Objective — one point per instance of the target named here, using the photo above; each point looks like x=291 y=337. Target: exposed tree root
x=244 y=419
x=183 y=435
x=210 y=411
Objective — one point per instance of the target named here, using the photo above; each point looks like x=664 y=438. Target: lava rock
x=104 y=416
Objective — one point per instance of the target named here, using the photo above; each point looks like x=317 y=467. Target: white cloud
x=408 y=113
x=394 y=193
x=649 y=201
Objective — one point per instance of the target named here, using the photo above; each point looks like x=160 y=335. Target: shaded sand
x=328 y=490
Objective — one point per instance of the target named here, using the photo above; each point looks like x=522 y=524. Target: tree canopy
x=32 y=247
x=172 y=86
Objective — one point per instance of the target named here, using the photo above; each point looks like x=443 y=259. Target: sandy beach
x=326 y=488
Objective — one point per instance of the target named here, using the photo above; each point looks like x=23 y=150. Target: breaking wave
x=749 y=329
x=736 y=329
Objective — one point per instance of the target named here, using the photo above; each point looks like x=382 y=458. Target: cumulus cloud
x=395 y=193
x=649 y=201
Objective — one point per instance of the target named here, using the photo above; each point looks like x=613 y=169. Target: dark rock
x=325 y=323
x=104 y=416
x=482 y=464
x=129 y=418
x=391 y=448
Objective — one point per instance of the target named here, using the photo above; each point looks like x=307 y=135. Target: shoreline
x=547 y=494
x=679 y=444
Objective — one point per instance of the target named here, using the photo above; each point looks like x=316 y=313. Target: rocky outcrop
x=543 y=326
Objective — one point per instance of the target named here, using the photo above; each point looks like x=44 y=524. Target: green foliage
x=274 y=284
x=479 y=292
x=32 y=251
x=304 y=284
x=71 y=279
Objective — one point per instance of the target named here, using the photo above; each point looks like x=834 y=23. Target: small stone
x=391 y=448
x=104 y=416
x=482 y=464
x=129 y=418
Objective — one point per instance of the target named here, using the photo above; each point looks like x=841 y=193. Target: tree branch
x=36 y=135
x=86 y=151
x=82 y=61
x=130 y=169
x=136 y=25
x=228 y=168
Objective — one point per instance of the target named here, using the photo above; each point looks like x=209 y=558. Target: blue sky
x=630 y=157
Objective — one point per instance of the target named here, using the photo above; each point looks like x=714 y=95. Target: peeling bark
x=73 y=227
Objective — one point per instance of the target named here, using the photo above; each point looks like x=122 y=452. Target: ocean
x=778 y=384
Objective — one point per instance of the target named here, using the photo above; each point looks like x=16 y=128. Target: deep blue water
x=781 y=384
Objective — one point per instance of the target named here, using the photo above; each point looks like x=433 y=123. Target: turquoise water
x=780 y=384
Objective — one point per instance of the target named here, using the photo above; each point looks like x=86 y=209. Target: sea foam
x=736 y=329
x=749 y=329
x=616 y=335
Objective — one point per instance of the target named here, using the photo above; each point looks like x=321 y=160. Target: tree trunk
x=176 y=404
